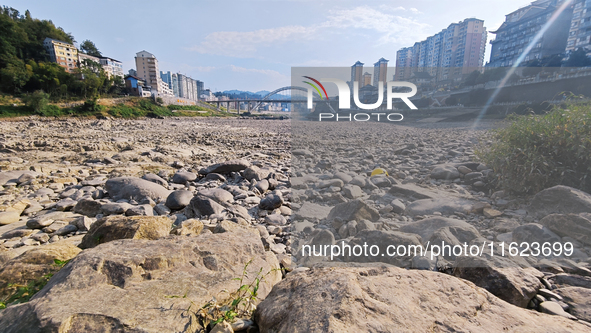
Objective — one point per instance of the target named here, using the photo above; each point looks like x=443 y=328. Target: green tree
x=37 y=101
x=89 y=48
x=578 y=58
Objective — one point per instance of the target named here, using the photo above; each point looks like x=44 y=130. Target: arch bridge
x=253 y=104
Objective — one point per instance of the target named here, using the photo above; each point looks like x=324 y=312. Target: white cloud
x=244 y=44
x=390 y=28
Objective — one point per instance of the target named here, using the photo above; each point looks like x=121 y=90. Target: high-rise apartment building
x=187 y=87
x=62 y=53
x=147 y=69
x=380 y=72
x=166 y=78
x=521 y=27
x=455 y=51
x=366 y=79
x=356 y=73
x=580 y=29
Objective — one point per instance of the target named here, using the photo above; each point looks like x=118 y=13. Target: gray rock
x=140 y=210
x=445 y=171
x=155 y=179
x=182 y=177
x=40 y=237
x=411 y=191
x=226 y=167
x=275 y=219
x=329 y=183
x=202 y=206
x=353 y=210
x=575 y=226
x=262 y=185
x=9 y=217
x=271 y=201
x=534 y=232
x=161 y=209
x=559 y=200
x=40 y=221
x=500 y=276
x=67 y=229
x=555 y=309
x=312 y=211
x=19 y=232
x=114 y=208
x=178 y=199
x=217 y=194
x=442 y=205
x=215 y=176
x=578 y=300
x=87 y=207
x=83 y=223
x=397 y=206
x=425 y=228
x=390 y=299
x=256 y=173
x=65 y=204
x=132 y=188
x=13 y=176
x=352 y=191
x=132 y=274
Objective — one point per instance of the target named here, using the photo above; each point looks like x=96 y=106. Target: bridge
x=255 y=103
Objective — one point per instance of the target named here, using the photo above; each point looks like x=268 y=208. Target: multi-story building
x=366 y=79
x=174 y=81
x=82 y=57
x=380 y=72
x=111 y=66
x=167 y=78
x=187 y=87
x=147 y=69
x=132 y=72
x=448 y=55
x=356 y=72
x=199 y=88
x=521 y=27
x=62 y=53
x=580 y=29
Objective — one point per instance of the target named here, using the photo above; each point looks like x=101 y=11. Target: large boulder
x=383 y=240
x=577 y=226
x=559 y=200
x=226 y=167
x=133 y=188
x=126 y=227
x=34 y=264
x=579 y=301
x=353 y=210
x=129 y=285
x=380 y=299
x=500 y=276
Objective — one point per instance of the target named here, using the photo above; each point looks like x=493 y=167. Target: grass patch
x=239 y=304
x=539 y=151
x=23 y=293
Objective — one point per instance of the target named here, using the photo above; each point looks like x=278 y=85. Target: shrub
x=91 y=105
x=36 y=101
x=539 y=151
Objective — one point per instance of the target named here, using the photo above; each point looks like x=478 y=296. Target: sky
x=252 y=44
